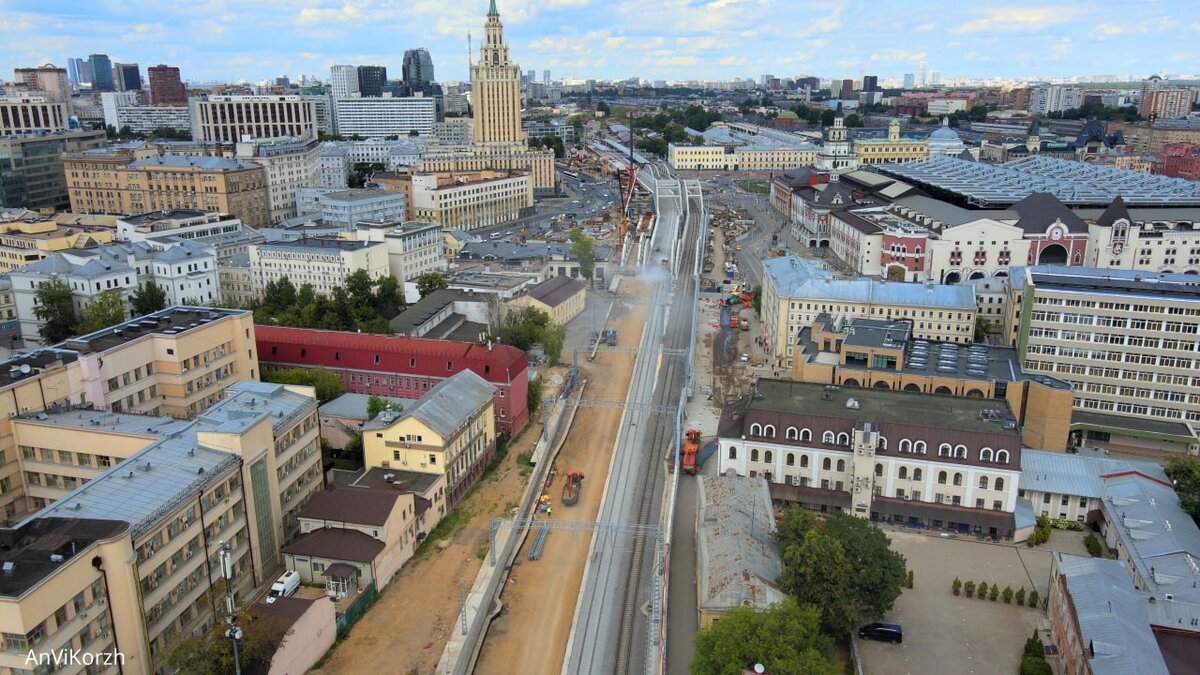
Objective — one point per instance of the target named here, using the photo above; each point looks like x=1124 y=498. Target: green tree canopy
x=148 y=298
x=817 y=572
x=55 y=309
x=827 y=118
x=430 y=282
x=786 y=639
x=878 y=572
x=102 y=311
x=527 y=326
x=853 y=120
x=584 y=249
x=328 y=384
x=377 y=404
x=211 y=653
x=1185 y=472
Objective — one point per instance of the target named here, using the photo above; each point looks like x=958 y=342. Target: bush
x=1007 y=594
x=1033 y=645
x=994 y=593
x=970 y=589
x=1093 y=545
x=909 y=583
x=1035 y=665
x=1075 y=526
x=1061 y=524
x=1020 y=596
x=956 y=587
x=982 y=589
x=1032 y=599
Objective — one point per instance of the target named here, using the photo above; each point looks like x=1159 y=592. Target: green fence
x=355 y=611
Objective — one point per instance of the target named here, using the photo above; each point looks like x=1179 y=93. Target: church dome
x=944 y=132
x=945 y=141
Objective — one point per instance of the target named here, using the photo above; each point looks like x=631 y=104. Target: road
x=614 y=615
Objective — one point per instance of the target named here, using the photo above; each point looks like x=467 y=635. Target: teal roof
x=795 y=277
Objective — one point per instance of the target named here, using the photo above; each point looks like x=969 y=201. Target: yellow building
x=451 y=430
x=113 y=181
x=462 y=200
x=562 y=298
x=157 y=520
x=892 y=149
x=729 y=158
x=28 y=237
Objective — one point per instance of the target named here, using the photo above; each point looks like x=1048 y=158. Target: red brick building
x=1178 y=160
x=401 y=367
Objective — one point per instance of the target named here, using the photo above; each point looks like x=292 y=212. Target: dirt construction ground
x=539 y=599
x=406 y=629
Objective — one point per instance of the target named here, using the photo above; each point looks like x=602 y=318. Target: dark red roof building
x=402 y=367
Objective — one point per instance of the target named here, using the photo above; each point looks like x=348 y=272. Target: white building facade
x=385 y=116
x=291 y=164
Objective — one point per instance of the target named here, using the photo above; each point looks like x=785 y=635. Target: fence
x=356 y=609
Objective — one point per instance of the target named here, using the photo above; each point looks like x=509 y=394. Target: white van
x=284 y=586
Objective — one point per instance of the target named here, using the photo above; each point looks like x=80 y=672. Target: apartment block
x=48 y=78
x=290 y=163
x=413 y=248
x=26 y=237
x=1054 y=98
x=1125 y=341
x=463 y=200
x=145 y=119
x=25 y=114
x=796 y=290
x=323 y=263
x=165 y=86
x=385 y=116
x=451 y=430
x=113 y=181
x=344 y=208
x=226 y=235
x=237 y=475
x=33 y=169
x=231 y=118
x=871 y=453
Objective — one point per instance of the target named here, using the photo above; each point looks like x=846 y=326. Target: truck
x=284 y=586
x=691 y=448
x=734 y=321
x=570 y=494
x=744 y=319
x=610 y=337
x=730 y=270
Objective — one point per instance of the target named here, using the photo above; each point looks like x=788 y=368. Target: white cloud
x=1019 y=20
x=733 y=61
x=925 y=27
x=1060 y=49
x=819 y=42
x=892 y=55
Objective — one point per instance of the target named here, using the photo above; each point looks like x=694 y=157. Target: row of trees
x=837 y=573
x=1185 y=472
x=362 y=303
x=528 y=326
x=551 y=142
x=584 y=250
x=328 y=384
x=55 y=308
x=126 y=133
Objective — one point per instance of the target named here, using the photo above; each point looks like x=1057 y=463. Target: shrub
x=1033 y=646
x=1007 y=594
x=1035 y=665
x=909 y=583
x=1020 y=596
x=1061 y=523
x=1093 y=545
x=1075 y=526
x=982 y=589
x=970 y=589
x=956 y=586
x=1032 y=599
x=994 y=593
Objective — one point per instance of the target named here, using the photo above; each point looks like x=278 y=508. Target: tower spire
x=492 y=9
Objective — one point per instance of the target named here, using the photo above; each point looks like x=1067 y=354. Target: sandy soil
x=406 y=630
x=531 y=635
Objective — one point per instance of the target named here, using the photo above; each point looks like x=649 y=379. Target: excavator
x=570 y=495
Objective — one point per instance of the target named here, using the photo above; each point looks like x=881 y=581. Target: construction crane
x=626 y=196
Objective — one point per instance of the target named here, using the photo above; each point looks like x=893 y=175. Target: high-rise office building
x=870 y=83
x=344 y=81
x=546 y=77
x=48 y=78
x=165 y=86
x=531 y=77
x=100 y=68
x=77 y=71
x=910 y=80
x=129 y=77
x=417 y=69
x=371 y=80
x=935 y=78
x=497 y=91
x=847 y=90
x=921 y=70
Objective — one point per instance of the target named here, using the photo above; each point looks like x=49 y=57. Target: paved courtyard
x=944 y=633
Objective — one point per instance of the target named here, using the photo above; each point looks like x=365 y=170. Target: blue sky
x=658 y=39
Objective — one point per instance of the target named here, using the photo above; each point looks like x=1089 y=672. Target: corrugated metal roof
x=794 y=277
x=735 y=550
x=447 y=407
x=1076 y=474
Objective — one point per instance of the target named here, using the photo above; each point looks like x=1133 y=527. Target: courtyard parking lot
x=944 y=633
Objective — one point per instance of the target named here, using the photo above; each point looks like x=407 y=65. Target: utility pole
x=233 y=632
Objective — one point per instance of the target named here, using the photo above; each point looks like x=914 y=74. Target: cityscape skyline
x=215 y=40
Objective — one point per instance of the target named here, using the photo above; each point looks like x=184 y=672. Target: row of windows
x=918 y=447
x=827 y=464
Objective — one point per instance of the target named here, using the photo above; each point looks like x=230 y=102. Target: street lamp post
x=233 y=632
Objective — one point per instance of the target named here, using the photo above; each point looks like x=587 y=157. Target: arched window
x=960 y=451
x=756 y=429
x=878 y=469
x=769 y=431
x=919 y=447
x=882 y=443
x=944 y=450
x=803 y=461
x=826 y=464
x=983 y=482
x=828 y=438
x=806 y=434
x=904 y=473
x=905 y=445
x=941 y=478
x=790 y=459
x=732 y=452
x=841 y=465
x=916 y=474
x=843 y=438
x=1002 y=456
x=999 y=484
x=791 y=433
x=986 y=454
x=754 y=454
x=767 y=456
x=958 y=479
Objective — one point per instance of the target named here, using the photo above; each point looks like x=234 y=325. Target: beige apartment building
x=229 y=119
x=1126 y=341
x=177 y=362
x=324 y=263
x=463 y=200
x=727 y=158
x=30 y=237
x=451 y=430
x=237 y=475
x=24 y=114
x=797 y=290
x=891 y=149
x=112 y=181
x=413 y=248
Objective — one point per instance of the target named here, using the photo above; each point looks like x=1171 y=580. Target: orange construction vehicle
x=690 y=449
x=570 y=495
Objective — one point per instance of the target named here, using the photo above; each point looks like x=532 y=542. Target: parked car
x=884 y=632
x=284 y=586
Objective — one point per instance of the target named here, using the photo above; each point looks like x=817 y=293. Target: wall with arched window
x=790 y=459
x=983 y=482
x=841 y=465
x=1000 y=484
x=806 y=434
x=878 y=469
x=826 y=464
x=843 y=438
x=919 y=447
x=1002 y=456
x=944 y=450
x=733 y=452
x=903 y=475
x=769 y=431
x=756 y=429
x=767 y=456
x=986 y=454
x=791 y=433
x=803 y=461
x=960 y=451
x=916 y=474
x=941 y=478
x=905 y=445
x=958 y=479
x=754 y=454
x=828 y=438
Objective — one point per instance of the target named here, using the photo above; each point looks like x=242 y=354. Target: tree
x=148 y=298
x=328 y=385
x=533 y=395
x=212 y=654
x=584 y=250
x=878 y=572
x=786 y=639
x=102 y=311
x=430 y=282
x=602 y=107
x=280 y=294
x=853 y=120
x=54 y=307
x=827 y=118
x=388 y=296
x=756 y=298
x=817 y=572
x=358 y=286
x=555 y=143
x=1185 y=473
x=378 y=404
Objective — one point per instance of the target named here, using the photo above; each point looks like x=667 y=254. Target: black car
x=884 y=632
